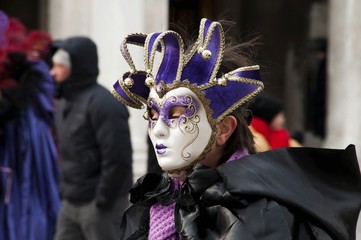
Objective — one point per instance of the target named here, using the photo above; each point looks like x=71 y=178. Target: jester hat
x=196 y=70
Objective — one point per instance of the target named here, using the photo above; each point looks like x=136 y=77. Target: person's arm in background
x=43 y=90
x=260 y=142
x=109 y=119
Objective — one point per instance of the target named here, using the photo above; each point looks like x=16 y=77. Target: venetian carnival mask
x=184 y=99
x=178 y=127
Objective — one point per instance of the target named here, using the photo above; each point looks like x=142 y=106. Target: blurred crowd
x=65 y=151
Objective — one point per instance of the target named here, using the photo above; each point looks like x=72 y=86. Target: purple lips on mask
x=161 y=149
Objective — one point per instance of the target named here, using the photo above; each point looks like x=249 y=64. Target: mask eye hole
x=153 y=114
x=176 y=112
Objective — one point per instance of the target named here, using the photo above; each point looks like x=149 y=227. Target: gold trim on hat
x=127 y=55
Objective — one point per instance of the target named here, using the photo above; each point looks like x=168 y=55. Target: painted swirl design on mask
x=151 y=104
x=164 y=108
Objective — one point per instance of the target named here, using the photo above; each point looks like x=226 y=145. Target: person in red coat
x=268 y=125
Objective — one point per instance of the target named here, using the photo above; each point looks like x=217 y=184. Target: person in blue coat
x=28 y=158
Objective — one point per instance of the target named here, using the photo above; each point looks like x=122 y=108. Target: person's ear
x=225 y=129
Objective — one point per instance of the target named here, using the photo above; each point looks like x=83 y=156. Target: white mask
x=178 y=128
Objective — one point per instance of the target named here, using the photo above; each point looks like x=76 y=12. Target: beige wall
x=344 y=75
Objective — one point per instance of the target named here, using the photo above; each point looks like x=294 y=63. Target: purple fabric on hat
x=170 y=63
x=139 y=88
x=121 y=93
x=140 y=38
x=152 y=39
x=224 y=97
x=199 y=70
x=251 y=74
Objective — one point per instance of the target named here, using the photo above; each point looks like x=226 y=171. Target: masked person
x=214 y=187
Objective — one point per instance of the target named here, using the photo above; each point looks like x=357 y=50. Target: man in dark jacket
x=94 y=145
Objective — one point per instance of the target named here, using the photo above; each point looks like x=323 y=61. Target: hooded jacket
x=288 y=193
x=93 y=132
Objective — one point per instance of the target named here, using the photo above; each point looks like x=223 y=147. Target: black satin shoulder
x=324 y=185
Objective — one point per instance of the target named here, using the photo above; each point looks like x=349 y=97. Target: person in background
x=28 y=164
x=268 y=125
x=94 y=146
x=215 y=187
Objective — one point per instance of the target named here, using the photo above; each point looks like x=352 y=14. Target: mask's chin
x=173 y=160
x=182 y=172
x=175 y=169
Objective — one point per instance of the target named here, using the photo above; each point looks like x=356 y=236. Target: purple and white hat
x=196 y=70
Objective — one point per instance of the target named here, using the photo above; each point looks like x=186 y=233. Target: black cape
x=290 y=193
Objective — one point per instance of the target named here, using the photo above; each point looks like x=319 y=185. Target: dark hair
x=241 y=138
x=238 y=55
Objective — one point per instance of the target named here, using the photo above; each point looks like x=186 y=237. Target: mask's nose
x=161 y=129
